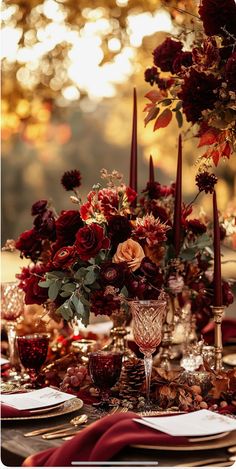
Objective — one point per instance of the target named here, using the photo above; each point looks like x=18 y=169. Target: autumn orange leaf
x=208 y=138
x=163 y=119
x=152 y=114
x=154 y=96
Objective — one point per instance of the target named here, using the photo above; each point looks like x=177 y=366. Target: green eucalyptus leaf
x=90 y=277
x=69 y=287
x=54 y=289
x=166 y=102
x=44 y=283
x=124 y=292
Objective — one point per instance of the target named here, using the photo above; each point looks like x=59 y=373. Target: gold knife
x=51 y=436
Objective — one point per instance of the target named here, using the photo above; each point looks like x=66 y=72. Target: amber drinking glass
x=33 y=349
x=148 y=317
x=12 y=308
x=104 y=369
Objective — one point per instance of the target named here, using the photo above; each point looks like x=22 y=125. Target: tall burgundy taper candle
x=178 y=201
x=134 y=153
x=217 y=257
x=151 y=170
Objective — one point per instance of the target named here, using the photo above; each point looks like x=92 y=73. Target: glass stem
x=11 y=333
x=148 y=374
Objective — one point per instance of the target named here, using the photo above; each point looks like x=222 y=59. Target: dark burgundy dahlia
x=206 y=182
x=71 y=179
x=218 y=17
x=165 y=54
x=199 y=92
x=152 y=272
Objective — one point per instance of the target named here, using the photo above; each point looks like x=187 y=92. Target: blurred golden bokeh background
x=68 y=72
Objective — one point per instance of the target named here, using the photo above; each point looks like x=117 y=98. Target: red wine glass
x=33 y=349
x=104 y=369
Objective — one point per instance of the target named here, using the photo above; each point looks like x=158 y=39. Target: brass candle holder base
x=218 y=312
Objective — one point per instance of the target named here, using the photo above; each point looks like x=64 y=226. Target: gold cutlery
x=75 y=421
x=70 y=432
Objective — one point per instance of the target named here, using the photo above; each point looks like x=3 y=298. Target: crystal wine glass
x=33 y=349
x=148 y=317
x=104 y=369
x=12 y=307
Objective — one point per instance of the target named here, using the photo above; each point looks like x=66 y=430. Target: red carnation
x=90 y=240
x=102 y=303
x=218 y=17
x=29 y=244
x=71 y=179
x=198 y=93
x=230 y=72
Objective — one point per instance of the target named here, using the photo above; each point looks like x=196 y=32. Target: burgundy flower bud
x=39 y=207
x=151 y=75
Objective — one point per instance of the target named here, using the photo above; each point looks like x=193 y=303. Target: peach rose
x=131 y=252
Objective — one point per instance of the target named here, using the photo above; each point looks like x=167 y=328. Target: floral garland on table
x=93 y=258
x=199 y=81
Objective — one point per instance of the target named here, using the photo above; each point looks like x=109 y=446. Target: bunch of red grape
x=73 y=379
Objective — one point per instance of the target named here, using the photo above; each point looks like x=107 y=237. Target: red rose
x=64 y=258
x=90 y=240
x=29 y=245
x=67 y=225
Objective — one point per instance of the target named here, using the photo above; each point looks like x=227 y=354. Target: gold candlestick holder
x=218 y=312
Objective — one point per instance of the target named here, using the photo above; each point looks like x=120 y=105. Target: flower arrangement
x=195 y=74
x=107 y=250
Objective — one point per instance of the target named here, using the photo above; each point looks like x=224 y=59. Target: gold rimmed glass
x=12 y=308
x=148 y=317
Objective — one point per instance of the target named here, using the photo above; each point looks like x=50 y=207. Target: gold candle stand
x=218 y=312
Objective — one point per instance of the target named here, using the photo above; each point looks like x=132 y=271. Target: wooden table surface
x=16 y=447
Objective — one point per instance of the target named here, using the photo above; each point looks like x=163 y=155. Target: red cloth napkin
x=8 y=411
x=101 y=441
x=228 y=331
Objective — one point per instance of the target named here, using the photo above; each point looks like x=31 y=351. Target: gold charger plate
x=66 y=407
x=222 y=441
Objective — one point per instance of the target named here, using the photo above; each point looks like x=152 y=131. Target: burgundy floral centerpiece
x=92 y=258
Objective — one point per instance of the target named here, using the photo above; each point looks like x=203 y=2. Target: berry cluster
x=197 y=397
x=73 y=378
